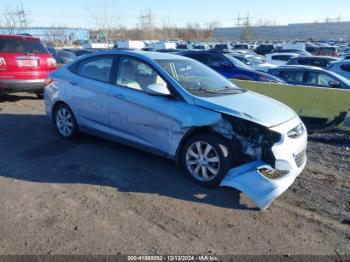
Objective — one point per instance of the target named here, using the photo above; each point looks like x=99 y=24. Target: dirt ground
x=95 y=197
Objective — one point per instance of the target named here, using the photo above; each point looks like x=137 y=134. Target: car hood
x=250 y=106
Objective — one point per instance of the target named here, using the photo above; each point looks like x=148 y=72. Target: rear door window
x=281 y=57
x=293 y=76
x=215 y=60
x=320 y=62
x=345 y=67
x=199 y=57
x=21 y=46
x=312 y=78
x=96 y=68
x=284 y=57
x=303 y=61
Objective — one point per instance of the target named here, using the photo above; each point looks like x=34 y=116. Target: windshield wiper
x=218 y=91
x=228 y=89
x=201 y=89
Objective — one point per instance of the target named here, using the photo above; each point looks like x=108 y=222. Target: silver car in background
x=173 y=106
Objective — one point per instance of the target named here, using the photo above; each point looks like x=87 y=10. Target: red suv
x=24 y=64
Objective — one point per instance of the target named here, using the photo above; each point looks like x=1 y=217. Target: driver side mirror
x=158 y=90
x=334 y=84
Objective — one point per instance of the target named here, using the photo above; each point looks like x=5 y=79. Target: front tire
x=207 y=158
x=65 y=122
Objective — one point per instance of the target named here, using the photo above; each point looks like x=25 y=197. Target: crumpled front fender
x=260 y=189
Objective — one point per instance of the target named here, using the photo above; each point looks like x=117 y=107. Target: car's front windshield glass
x=254 y=60
x=197 y=78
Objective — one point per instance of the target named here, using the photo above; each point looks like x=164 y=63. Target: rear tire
x=206 y=158
x=65 y=122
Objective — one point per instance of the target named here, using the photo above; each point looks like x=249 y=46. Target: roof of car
x=318 y=57
x=298 y=67
x=147 y=54
x=341 y=62
x=237 y=54
x=285 y=54
x=19 y=37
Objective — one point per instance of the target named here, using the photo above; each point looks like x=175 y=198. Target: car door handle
x=74 y=83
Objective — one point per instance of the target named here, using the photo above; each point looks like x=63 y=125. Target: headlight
x=297 y=132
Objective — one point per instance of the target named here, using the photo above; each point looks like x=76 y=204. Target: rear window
x=281 y=57
x=97 y=68
x=21 y=46
x=294 y=76
x=266 y=47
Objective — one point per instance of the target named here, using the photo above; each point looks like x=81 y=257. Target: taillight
x=51 y=62
x=2 y=62
x=48 y=81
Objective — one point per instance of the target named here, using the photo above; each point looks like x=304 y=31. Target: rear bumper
x=35 y=85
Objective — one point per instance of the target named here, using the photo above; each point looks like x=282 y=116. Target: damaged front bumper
x=252 y=178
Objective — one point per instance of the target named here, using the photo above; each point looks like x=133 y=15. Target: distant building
x=315 y=31
x=48 y=34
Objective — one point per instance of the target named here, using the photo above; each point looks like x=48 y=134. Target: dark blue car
x=230 y=67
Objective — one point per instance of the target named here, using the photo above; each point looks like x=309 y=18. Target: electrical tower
x=146 y=20
x=243 y=21
x=21 y=16
x=240 y=20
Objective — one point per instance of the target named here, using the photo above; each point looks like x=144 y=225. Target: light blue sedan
x=180 y=109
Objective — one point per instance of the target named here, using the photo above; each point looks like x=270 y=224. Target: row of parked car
x=287 y=66
x=25 y=63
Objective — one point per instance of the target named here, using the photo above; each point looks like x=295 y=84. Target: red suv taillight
x=2 y=62
x=48 y=81
x=51 y=62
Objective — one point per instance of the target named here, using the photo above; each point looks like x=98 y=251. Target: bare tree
x=106 y=18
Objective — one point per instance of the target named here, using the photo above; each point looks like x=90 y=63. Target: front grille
x=300 y=158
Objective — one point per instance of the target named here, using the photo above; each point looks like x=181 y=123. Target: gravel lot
x=95 y=197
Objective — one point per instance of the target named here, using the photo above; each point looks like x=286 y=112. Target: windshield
x=248 y=60
x=236 y=62
x=197 y=78
x=254 y=60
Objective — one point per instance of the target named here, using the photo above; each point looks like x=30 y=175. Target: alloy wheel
x=64 y=122
x=203 y=161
